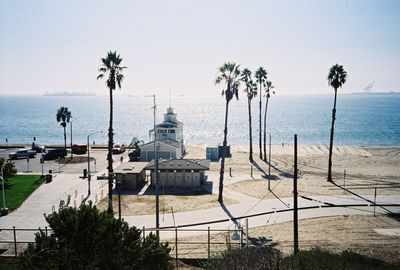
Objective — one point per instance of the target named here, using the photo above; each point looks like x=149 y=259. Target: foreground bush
x=85 y=238
x=315 y=259
x=246 y=258
x=323 y=259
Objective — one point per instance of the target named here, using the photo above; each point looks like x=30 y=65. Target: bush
x=256 y=258
x=314 y=259
x=9 y=168
x=323 y=259
x=85 y=238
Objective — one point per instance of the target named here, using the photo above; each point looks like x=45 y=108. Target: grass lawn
x=19 y=188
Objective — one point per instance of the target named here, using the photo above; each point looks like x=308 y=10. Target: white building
x=169 y=139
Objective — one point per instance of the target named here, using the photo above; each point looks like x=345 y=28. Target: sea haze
x=362 y=120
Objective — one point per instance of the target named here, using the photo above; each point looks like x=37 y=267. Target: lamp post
x=71 y=138
x=269 y=162
x=4 y=210
x=88 y=153
x=156 y=167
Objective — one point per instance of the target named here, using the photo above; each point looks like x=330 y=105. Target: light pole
x=4 y=210
x=88 y=154
x=71 y=138
x=156 y=167
x=269 y=162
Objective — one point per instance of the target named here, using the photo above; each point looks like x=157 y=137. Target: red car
x=118 y=148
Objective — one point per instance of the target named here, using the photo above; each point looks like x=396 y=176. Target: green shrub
x=9 y=168
x=85 y=238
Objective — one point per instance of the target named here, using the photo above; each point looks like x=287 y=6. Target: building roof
x=166 y=124
x=165 y=141
x=130 y=167
x=180 y=164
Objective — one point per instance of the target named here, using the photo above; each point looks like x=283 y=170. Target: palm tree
x=63 y=116
x=228 y=75
x=336 y=78
x=251 y=91
x=112 y=69
x=261 y=77
x=267 y=95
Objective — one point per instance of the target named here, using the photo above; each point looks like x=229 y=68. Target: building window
x=172 y=131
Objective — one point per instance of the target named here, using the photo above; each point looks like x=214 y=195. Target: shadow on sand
x=361 y=197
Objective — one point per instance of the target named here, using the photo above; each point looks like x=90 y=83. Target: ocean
x=362 y=119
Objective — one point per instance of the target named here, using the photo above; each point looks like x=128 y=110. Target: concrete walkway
x=46 y=199
x=261 y=206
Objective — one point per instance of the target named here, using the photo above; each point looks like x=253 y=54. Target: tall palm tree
x=251 y=91
x=112 y=69
x=63 y=116
x=228 y=76
x=261 y=77
x=268 y=88
x=336 y=78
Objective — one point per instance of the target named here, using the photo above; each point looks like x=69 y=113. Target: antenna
x=170 y=98
x=156 y=175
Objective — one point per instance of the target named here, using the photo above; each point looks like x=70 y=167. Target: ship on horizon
x=68 y=93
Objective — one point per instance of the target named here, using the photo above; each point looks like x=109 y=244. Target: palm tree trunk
x=65 y=137
x=259 y=118
x=221 y=172
x=250 y=132
x=331 y=140
x=265 y=129
x=109 y=156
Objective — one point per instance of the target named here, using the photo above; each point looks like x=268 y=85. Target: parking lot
x=33 y=165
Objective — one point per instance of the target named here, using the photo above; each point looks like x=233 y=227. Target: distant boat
x=68 y=93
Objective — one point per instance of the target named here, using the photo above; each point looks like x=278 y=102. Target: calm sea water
x=362 y=120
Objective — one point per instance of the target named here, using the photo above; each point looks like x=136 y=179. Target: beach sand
x=366 y=168
x=358 y=170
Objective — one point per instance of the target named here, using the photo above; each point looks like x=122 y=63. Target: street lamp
x=88 y=154
x=71 y=138
x=269 y=162
x=4 y=210
x=156 y=175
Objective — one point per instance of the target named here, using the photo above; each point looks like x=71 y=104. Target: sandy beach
x=366 y=169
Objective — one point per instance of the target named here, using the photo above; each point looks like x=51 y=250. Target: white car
x=22 y=153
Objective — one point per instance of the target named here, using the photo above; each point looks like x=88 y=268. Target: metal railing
x=184 y=243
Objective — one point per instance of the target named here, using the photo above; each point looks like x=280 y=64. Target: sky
x=178 y=45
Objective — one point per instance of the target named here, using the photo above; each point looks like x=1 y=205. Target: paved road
x=34 y=165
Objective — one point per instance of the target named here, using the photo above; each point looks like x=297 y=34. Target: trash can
x=49 y=178
x=84 y=173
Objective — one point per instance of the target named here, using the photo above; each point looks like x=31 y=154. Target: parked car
x=52 y=154
x=118 y=148
x=79 y=149
x=22 y=153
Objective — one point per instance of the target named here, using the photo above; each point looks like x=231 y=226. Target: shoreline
x=204 y=145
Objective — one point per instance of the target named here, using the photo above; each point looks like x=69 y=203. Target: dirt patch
x=74 y=160
x=356 y=233
x=357 y=170
x=133 y=205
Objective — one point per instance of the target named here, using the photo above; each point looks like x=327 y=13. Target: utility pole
x=269 y=163
x=295 y=213
x=156 y=168
x=71 y=139
x=4 y=210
